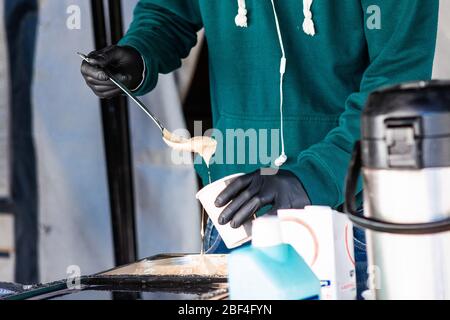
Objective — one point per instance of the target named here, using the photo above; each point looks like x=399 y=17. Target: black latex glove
x=125 y=63
x=254 y=191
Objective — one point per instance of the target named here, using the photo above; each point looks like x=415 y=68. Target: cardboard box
x=324 y=238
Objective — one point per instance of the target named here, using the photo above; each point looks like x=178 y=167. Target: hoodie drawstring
x=308 y=23
x=309 y=29
x=241 y=19
x=282 y=159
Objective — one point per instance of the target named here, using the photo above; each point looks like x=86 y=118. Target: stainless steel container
x=404 y=157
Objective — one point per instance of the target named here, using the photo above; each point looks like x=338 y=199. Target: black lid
x=408 y=126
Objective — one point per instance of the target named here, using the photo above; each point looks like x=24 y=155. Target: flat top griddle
x=146 y=279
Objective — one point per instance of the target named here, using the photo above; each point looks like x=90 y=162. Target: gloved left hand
x=254 y=191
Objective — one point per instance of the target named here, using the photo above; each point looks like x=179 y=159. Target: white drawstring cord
x=309 y=28
x=241 y=18
x=283 y=158
x=308 y=23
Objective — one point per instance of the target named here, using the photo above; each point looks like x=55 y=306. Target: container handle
x=352 y=180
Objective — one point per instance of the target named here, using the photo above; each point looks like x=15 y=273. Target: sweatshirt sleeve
x=402 y=50
x=164 y=32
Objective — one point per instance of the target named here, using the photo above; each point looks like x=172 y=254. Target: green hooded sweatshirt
x=337 y=51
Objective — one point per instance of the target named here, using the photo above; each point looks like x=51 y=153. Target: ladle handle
x=131 y=95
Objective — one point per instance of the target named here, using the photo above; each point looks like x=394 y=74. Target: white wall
x=6 y=221
x=7 y=246
x=4 y=114
x=442 y=62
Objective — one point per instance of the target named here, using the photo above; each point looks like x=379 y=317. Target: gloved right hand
x=125 y=63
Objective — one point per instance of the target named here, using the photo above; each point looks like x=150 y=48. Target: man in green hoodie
x=302 y=68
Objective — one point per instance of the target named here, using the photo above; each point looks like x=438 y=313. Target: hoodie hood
x=241 y=19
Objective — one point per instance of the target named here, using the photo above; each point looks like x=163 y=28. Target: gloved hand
x=254 y=191
x=125 y=63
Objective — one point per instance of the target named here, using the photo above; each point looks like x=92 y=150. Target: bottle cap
x=266 y=232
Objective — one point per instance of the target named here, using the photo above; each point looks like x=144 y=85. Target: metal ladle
x=121 y=86
x=204 y=146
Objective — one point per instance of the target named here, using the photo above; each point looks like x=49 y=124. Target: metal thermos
x=404 y=161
